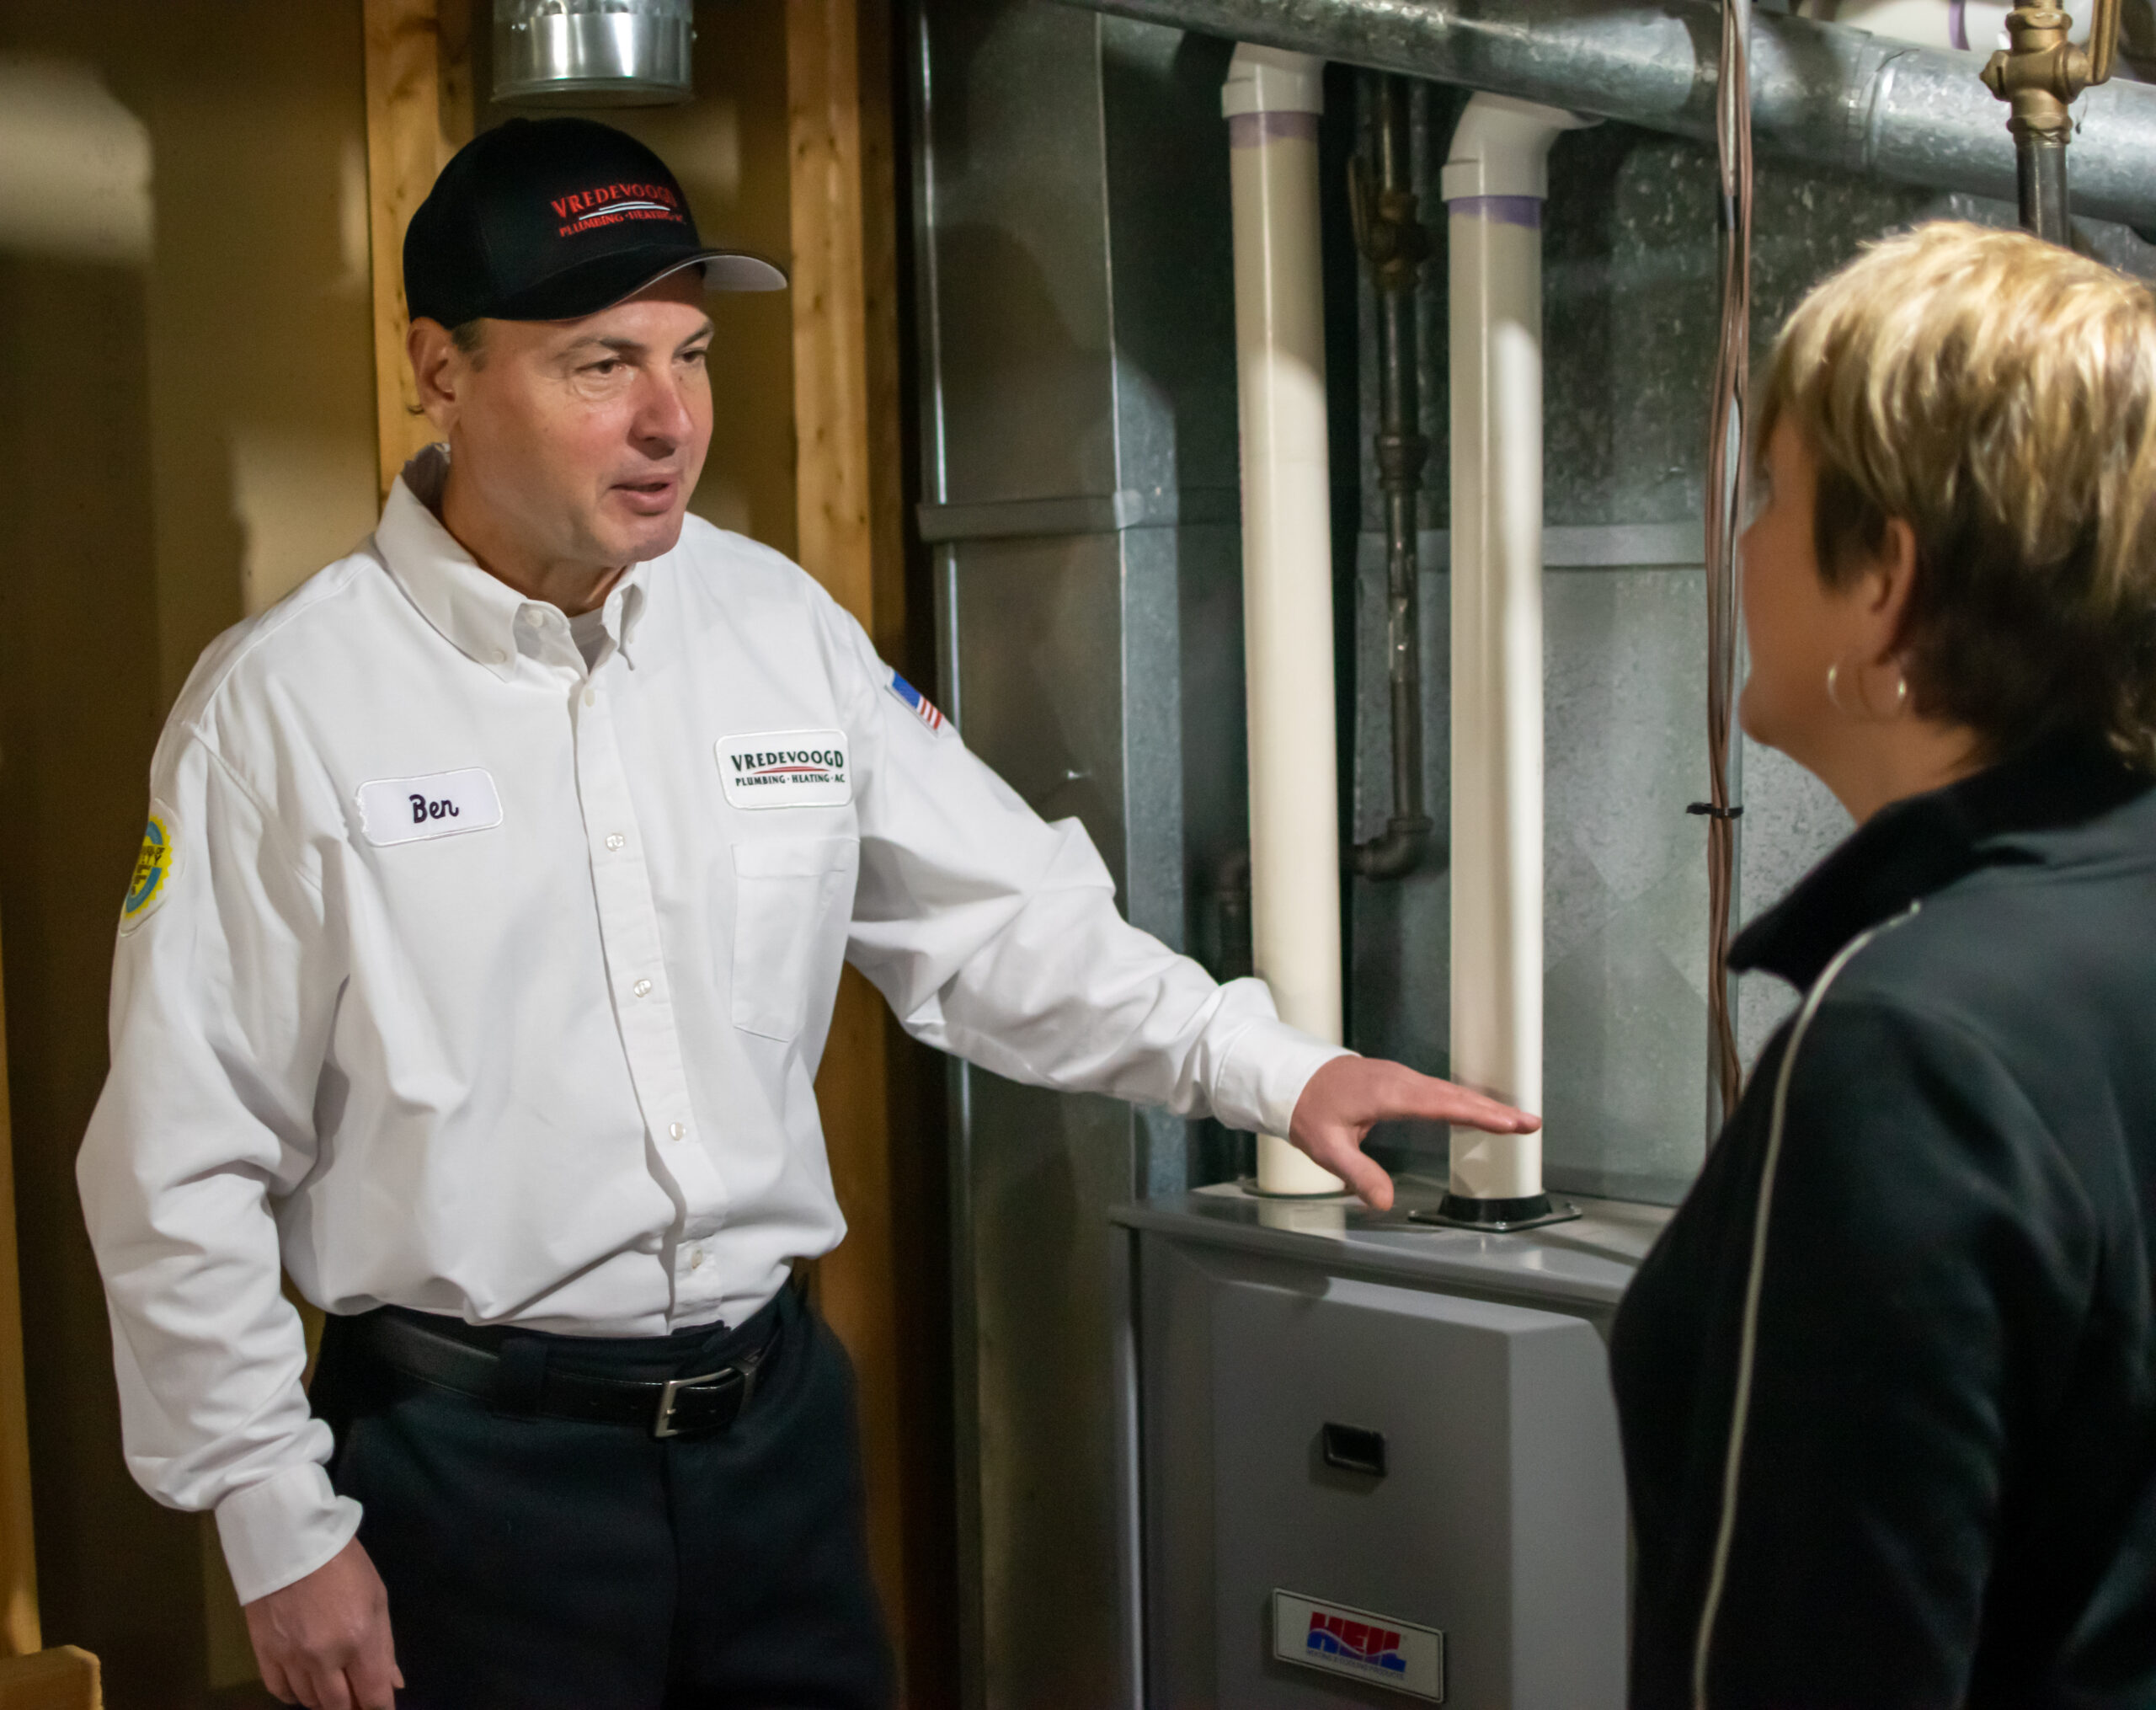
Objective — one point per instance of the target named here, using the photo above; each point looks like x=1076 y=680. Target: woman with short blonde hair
x=1888 y=1380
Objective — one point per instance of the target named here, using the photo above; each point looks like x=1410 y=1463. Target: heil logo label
x=1330 y=1636
x=1379 y=1650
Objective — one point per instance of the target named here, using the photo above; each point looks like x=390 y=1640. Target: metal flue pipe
x=593 y=53
x=1822 y=94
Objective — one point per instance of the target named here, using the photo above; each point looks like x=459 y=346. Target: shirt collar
x=476 y=610
x=1906 y=851
x=624 y=605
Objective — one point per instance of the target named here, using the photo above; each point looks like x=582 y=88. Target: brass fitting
x=2040 y=75
x=1392 y=240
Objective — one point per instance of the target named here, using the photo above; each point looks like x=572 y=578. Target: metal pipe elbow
x=1395 y=853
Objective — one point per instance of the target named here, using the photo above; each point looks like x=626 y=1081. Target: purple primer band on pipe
x=1255 y=129
x=1502 y=211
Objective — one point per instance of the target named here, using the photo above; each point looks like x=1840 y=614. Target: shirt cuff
x=282 y=1528
x=1262 y=1073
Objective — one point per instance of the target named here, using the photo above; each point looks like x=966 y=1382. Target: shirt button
x=615 y=840
x=696 y=1256
x=591 y=697
x=643 y=989
x=501 y=656
x=678 y=1129
x=532 y=618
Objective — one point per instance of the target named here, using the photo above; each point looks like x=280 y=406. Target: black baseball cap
x=552 y=219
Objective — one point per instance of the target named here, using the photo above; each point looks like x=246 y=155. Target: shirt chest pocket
x=792 y=898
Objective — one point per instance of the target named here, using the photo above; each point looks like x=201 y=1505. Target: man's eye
x=696 y=356
x=609 y=366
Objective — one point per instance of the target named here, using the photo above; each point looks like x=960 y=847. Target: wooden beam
x=830 y=324
x=850 y=523
x=63 y=1678
x=419 y=97
x=19 y=1619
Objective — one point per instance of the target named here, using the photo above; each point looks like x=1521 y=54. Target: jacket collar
x=474 y=609
x=1921 y=845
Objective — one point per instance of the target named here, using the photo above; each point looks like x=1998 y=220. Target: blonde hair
x=1998 y=395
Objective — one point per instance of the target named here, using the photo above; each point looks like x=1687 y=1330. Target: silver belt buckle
x=663 y=1424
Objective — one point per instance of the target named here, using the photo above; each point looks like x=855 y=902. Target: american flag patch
x=923 y=709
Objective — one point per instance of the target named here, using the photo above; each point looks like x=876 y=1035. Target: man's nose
x=662 y=419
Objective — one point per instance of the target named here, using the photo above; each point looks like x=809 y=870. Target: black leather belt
x=514 y=1381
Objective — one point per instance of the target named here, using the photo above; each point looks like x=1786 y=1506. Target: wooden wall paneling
x=419 y=95
x=19 y=1633
x=850 y=506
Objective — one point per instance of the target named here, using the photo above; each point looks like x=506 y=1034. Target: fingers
x=1359 y=1090
x=373 y=1676
x=317 y=1685
x=1337 y=1152
x=1441 y=1101
x=1341 y=1101
x=273 y=1678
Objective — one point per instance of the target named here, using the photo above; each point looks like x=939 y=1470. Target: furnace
x=1362 y=1449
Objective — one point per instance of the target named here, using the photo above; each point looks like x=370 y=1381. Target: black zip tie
x=1710 y=811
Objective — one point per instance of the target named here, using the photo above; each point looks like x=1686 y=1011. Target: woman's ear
x=1888 y=581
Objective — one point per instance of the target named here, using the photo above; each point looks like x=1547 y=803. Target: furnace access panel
x=1362 y=1490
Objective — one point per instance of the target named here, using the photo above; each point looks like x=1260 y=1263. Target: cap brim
x=605 y=281
x=726 y=270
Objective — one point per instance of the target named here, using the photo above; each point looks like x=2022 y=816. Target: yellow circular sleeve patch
x=153 y=868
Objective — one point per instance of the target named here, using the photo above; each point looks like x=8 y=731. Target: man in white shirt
x=476 y=970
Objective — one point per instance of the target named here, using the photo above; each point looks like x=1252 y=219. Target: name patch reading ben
x=442 y=805
x=786 y=769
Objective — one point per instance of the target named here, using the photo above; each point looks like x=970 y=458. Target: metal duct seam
x=1878 y=92
x=1824 y=94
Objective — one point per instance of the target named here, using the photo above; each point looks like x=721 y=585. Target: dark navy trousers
x=534 y=1564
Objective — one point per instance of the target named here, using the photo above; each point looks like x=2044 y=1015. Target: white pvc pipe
x=1271 y=101
x=1977 y=26
x=1496 y=181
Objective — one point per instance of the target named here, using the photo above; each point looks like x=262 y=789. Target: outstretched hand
x=1349 y=1094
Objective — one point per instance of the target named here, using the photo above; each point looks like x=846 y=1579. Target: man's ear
x=440 y=369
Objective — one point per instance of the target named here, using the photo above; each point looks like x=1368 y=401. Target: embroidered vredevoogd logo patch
x=153 y=866
x=786 y=769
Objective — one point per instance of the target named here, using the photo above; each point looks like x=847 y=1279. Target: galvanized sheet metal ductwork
x=1822 y=94
x=593 y=53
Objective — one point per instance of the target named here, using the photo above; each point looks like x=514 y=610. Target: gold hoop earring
x=1833 y=698
x=1864 y=715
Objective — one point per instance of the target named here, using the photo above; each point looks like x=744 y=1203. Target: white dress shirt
x=462 y=976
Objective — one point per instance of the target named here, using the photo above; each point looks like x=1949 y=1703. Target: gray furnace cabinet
x=1369 y=1463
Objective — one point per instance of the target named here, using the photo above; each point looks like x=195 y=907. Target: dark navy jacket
x=1946 y=1490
